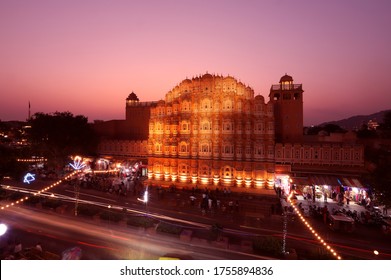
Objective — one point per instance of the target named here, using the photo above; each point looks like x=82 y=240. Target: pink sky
x=87 y=56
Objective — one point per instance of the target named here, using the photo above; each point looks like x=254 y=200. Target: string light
x=31 y=159
x=40 y=191
x=320 y=239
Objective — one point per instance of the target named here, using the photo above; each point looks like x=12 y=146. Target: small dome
x=207 y=76
x=133 y=97
x=286 y=78
x=186 y=81
x=259 y=97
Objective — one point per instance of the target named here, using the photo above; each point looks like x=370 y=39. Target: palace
x=214 y=130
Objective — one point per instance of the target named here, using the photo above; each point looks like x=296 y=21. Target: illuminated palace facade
x=212 y=130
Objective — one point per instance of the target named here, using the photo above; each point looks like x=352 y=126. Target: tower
x=287 y=98
x=137 y=117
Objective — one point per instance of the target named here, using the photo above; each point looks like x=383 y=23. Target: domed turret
x=132 y=97
x=286 y=78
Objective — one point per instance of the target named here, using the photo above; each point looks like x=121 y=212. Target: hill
x=355 y=122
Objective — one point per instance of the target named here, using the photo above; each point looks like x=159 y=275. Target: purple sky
x=87 y=56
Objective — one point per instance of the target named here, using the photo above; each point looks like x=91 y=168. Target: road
x=104 y=241
x=359 y=245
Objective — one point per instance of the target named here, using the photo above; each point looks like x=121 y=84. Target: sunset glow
x=87 y=56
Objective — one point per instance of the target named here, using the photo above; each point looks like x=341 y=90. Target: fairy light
x=39 y=191
x=316 y=235
x=31 y=159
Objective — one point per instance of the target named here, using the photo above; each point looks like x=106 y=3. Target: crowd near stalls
x=341 y=207
x=340 y=194
x=115 y=177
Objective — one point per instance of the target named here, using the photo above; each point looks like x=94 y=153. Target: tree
x=59 y=135
x=385 y=126
x=381 y=179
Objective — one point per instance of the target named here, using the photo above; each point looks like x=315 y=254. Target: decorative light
x=320 y=239
x=38 y=192
x=28 y=178
x=77 y=164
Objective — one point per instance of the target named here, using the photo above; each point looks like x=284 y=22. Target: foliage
x=317 y=253
x=16 y=196
x=381 y=180
x=58 y=135
x=329 y=128
x=33 y=200
x=87 y=210
x=111 y=216
x=141 y=221
x=268 y=245
x=169 y=228
x=216 y=231
x=51 y=203
x=8 y=164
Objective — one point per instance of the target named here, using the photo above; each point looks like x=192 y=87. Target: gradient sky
x=87 y=56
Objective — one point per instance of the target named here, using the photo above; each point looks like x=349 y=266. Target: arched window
x=184 y=147
x=205 y=125
x=227 y=172
x=206 y=105
x=185 y=106
x=227 y=105
x=158 y=147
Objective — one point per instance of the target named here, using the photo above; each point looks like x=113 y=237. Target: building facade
x=212 y=130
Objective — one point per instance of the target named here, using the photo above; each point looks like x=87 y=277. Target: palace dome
x=286 y=78
x=132 y=97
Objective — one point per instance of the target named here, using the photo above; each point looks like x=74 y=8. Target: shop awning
x=324 y=180
x=301 y=181
x=328 y=180
x=351 y=182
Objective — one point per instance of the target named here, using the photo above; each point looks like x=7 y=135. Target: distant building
x=372 y=124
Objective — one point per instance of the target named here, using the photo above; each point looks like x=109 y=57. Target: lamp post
x=145 y=198
x=284 y=232
x=77 y=191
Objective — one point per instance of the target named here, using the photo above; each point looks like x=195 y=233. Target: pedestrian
x=18 y=248
x=192 y=200
x=325 y=212
x=38 y=247
x=385 y=210
x=325 y=196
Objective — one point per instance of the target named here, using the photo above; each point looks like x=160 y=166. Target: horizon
x=87 y=57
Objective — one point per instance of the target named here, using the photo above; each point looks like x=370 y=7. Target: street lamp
x=285 y=231
x=3 y=229
x=145 y=198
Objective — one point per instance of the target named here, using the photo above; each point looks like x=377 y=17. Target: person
x=385 y=210
x=325 y=196
x=38 y=247
x=325 y=214
x=18 y=248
